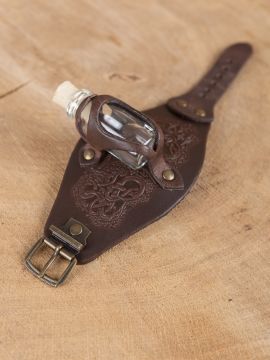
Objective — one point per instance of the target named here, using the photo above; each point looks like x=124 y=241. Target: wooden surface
x=194 y=285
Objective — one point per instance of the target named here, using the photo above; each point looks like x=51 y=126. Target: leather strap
x=198 y=103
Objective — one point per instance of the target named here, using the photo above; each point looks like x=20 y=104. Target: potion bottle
x=114 y=119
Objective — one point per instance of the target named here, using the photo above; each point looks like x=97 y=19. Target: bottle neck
x=76 y=100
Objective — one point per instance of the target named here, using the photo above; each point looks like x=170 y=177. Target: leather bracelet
x=102 y=202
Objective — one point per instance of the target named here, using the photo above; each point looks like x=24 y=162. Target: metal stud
x=88 y=154
x=168 y=175
x=75 y=229
x=200 y=112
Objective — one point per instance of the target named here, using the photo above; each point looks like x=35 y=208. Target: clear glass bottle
x=115 y=120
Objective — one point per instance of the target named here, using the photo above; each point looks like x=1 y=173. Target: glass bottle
x=115 y=120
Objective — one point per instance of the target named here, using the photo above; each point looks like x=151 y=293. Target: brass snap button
x=88 y=154
x=168 y=175
x=75 y=229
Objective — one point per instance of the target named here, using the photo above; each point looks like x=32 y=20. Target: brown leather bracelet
x=101 y=204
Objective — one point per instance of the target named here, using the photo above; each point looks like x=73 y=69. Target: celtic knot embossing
x=179 y=138
x=106 y=194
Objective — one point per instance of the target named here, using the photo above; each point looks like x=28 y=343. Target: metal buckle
x=63 y=245
x=58 y=251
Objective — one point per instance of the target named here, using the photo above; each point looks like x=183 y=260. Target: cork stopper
x=64 y=94
x=69 y=97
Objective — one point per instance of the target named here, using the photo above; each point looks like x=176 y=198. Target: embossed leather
x=114 y=201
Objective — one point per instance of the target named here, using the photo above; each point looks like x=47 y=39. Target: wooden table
x=194 y=285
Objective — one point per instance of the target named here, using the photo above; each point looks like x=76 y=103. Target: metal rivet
x=183 y=103
x=75 y=229
x=168 y=175
x=89 y=154
x=200 y=112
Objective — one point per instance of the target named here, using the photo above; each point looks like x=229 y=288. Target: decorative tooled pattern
x=179 y=138
x=106 y=194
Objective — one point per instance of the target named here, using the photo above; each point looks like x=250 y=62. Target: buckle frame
x=63 y=245
x=58 y=251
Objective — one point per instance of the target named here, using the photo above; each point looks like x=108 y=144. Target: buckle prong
x=50 y=261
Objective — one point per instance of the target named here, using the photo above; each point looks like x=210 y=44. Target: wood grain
x=194 y=285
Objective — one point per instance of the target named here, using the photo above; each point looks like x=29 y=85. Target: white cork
x=64 y=94
x=69 y=97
